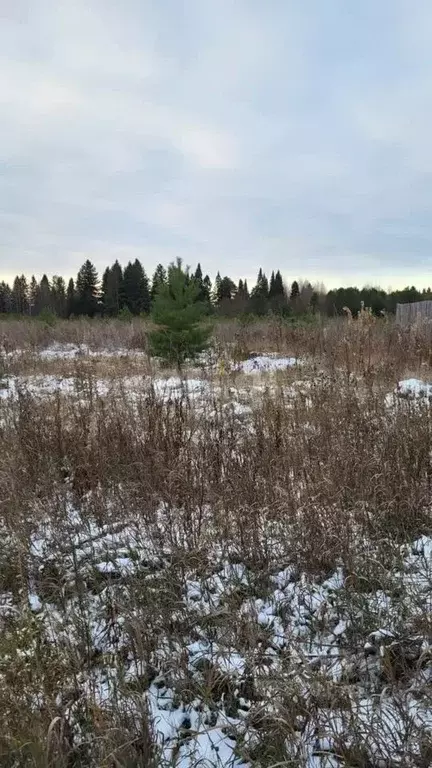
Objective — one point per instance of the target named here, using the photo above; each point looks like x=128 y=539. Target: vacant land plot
x=233 y=568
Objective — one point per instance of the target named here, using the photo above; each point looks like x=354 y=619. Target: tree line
x=129 y=291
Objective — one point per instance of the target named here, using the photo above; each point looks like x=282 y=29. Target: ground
x=228 y=568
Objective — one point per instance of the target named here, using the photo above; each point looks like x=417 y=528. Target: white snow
x=35 y=603
x=414 y=388
x=266 y=364
x=72 y=351
x=306 y=619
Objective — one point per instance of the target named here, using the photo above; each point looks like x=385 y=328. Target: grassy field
x=233 y=568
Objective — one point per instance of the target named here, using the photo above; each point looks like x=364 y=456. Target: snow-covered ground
x=44 y=385
x=341 y=656
x=167 y=387
x=266 y=364
x=226 y=656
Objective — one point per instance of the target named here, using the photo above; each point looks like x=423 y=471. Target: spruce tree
x=177 y=312
x=70 y=299
x=272 y=285
x=277 y=297
x=216 y=290
x=20 y=297
x=5 y=298
x=136 y=288
x=87 y=293
x=204 y=286
x=105 y=290
x=112 y=290
x=159 y=278
x=260 y=295
x=207 y=290
x=279 y=289
x=295 y=291
x=45 y=302
x=58 y=292
x=34 y=296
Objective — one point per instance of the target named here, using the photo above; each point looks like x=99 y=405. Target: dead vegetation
x=234 y=575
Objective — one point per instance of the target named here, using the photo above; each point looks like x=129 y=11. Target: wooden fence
x=407 y=314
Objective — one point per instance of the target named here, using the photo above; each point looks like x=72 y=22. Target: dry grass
x=209 y=504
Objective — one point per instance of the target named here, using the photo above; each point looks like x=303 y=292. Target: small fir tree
x=178 y=313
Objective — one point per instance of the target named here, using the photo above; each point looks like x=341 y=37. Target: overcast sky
x=291 y=134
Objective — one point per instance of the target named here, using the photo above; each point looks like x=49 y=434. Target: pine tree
x=87 y=293
x=295 y=290
x=5 y=298
x=70 y=299
x=33 y=296
x=44 y=295
x=20 y=297
x=241 y=300
x=159 y=278
x=112 y=290
x=136 y=288
x=204 y=286
x=105 y=290
x=279 y=289
x=207 y=291
x=277 y=297
x=58 y=292
x=199 y=280
x=227 y=290
x=260 y=295
x=272 y=286
x=216 y=297
x=177 y=313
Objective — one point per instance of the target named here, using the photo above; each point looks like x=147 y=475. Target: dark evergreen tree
x=199 y=280
x=159 y=278
x=58 y=293
x=278 y=288
x=70 y=299
x=5 y=298
x=20 y=297
x=207 y=290
x=241 y=300
x=105 y=290
x=178 y=313
x=136 y=288
x=87 y=293
x=314 y=302
x=44 y=302
x=112 y=290
x=216 y=298
x=277 y=298
x=227 y=289
x=272 y=286
x=260 y=295
x=295 y=291
x=33 y=296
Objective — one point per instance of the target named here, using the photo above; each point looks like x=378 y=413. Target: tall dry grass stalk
x=317 y=474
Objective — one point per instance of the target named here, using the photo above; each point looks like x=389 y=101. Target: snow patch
x=266 y=364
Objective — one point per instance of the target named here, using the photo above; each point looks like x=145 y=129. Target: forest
x=130 y=291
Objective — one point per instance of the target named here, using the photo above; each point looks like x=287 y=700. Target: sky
x=290 y=134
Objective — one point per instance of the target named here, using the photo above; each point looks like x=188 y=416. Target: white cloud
x=232 y=131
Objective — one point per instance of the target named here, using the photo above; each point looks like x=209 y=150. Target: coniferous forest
x=130 y=290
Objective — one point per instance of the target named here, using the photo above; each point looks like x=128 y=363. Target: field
x=229 y=568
